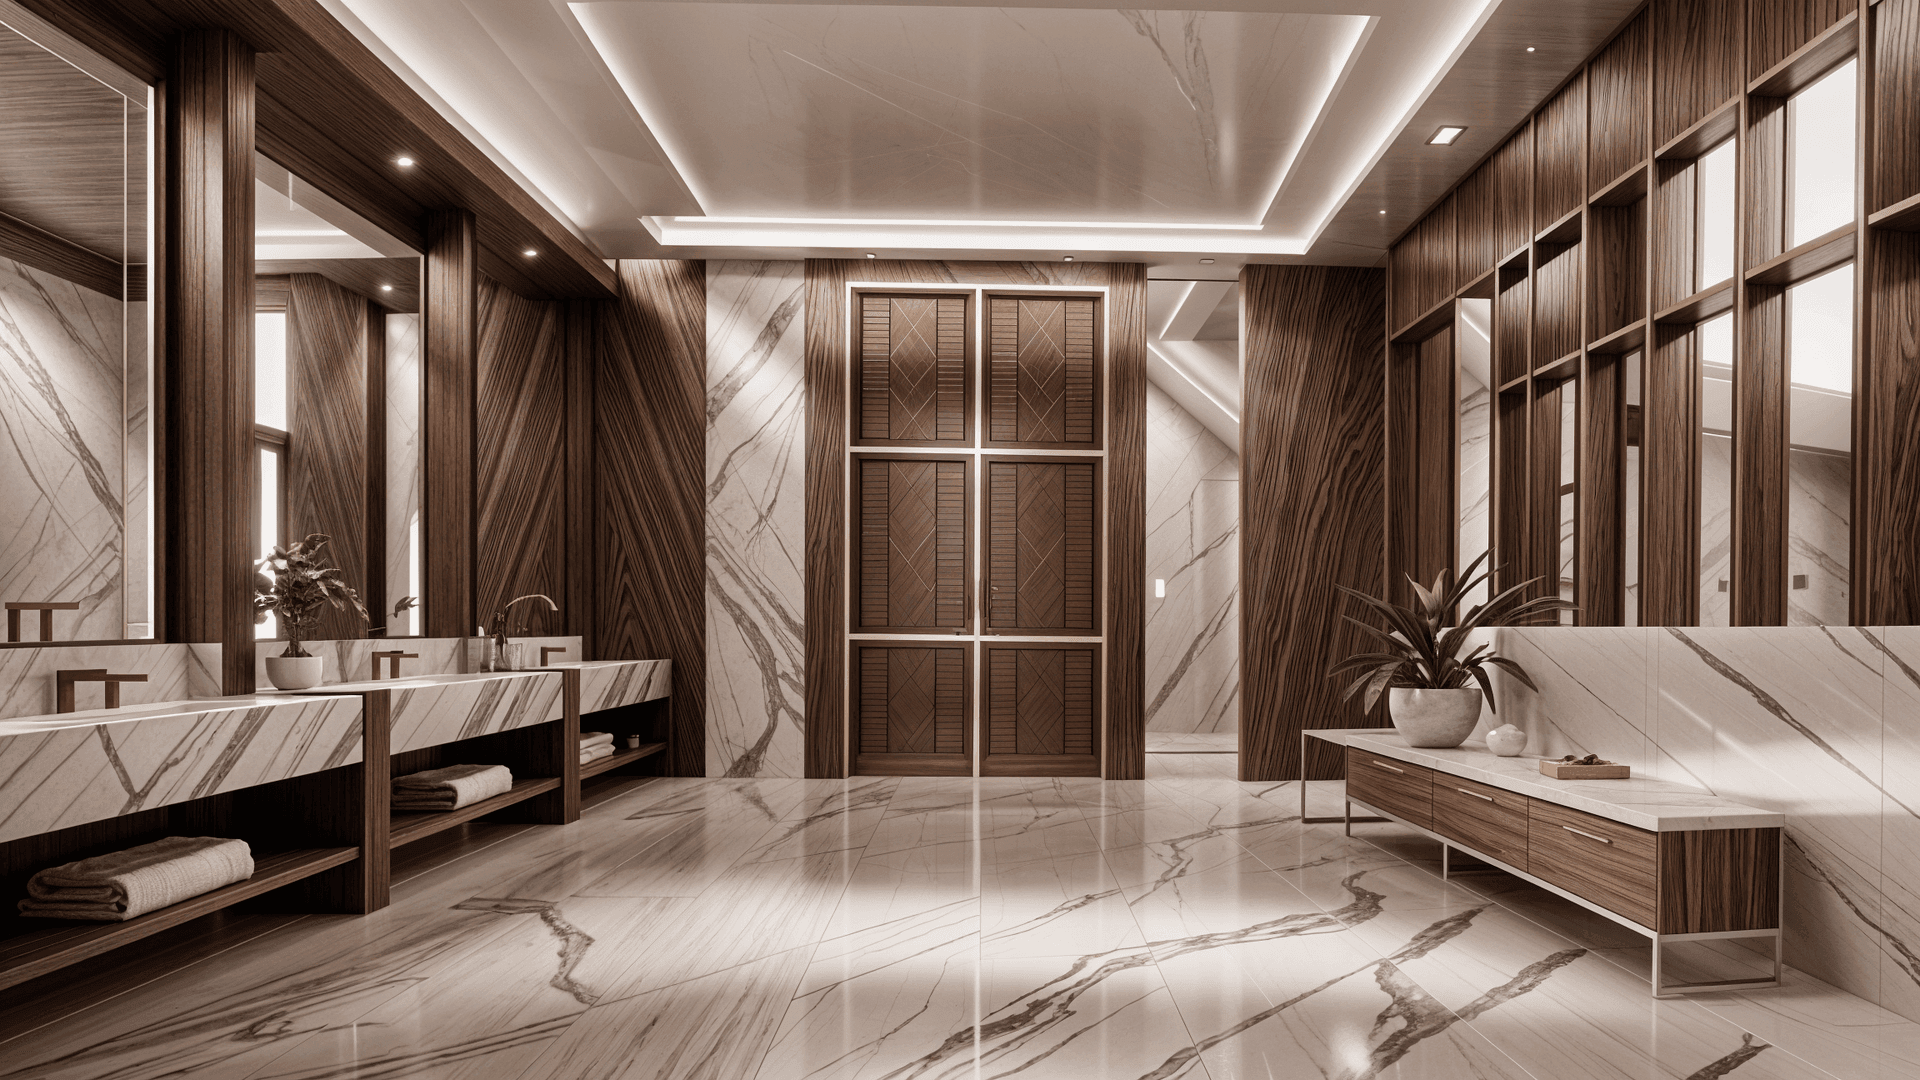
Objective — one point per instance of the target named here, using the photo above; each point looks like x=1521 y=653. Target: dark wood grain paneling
x=1042 y=710
x=1475 y=217
x=1775 y=28
x=1423 y=265
x=1611 y=864
x=361 y=276
x=1601 y=515
x=1490 y=820
x=912 y=571
x=916 y=379
x=912 y=708
x=1556 y=303
x=1673 y=208
x=581 y=529
x=449 y=328
x=1511 y=439
x=650 y=454
x=1042 y=545
x=1887 y=468
x=1513 y=191
x=1760 y=455
x=1313 y=491
x=1697 y=61
x=1124 y=748
x=67 y=140
x=1399 y=788
x=1617 y=107
x=1043 y=383
x=1435 y=459
x=1512 y=340
x=373 y=537
x=1559 y=164
x=208 y=378
x=520 y=407
x=1670 y=488
x=67 y=261
x=327 y=434
x=1718 y=880
x=1763 y=202
x=1896 y=102
x=1617 y=264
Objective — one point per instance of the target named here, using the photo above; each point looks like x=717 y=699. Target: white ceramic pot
x=1434 y=718
x=294 y=672
x=1507 y=740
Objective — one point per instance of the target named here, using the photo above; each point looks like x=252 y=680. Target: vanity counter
x=610 y=684
x=428 y=710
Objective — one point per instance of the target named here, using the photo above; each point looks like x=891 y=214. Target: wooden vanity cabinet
x=1613 y=865
x=1487 y=819
x=1398 y=788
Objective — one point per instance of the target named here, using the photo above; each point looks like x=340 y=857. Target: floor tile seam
x=122 y=991
x=749 y=962
x=1742 y=1029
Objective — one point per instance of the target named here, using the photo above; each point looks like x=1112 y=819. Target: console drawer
x=1400 y=789
x=1487 y=819
x=1607 y=863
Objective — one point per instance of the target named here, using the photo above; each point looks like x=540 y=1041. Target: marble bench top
x=1654 y=805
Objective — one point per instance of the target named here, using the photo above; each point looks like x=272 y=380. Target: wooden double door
x=976 y=535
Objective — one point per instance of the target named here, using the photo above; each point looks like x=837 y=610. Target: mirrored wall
x=75 y=331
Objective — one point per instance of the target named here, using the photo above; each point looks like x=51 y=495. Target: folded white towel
x=450 y=788
x=595 y=753
x=595 y=738
x=127 y=884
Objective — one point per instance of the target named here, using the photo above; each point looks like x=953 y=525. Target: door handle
x=1588 y=835
x=1475 y=794
x=1389 y=768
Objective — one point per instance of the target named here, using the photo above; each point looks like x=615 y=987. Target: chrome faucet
x=499 y=630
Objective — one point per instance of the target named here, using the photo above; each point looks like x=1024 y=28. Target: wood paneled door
x=952 y=540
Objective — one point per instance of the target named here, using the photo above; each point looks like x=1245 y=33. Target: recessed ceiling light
x=1066 y=258
x=529 y=253
x=871 y=255
x=1383 y=211
x=1529 y=48
x=1446 y=135
x=405 y=162
x=386 y=288
x=1206 y=262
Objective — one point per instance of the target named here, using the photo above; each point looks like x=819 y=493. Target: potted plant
x=1431 y=698
x=295 y=583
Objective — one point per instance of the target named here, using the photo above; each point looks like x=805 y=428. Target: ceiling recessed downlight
x=386 y=288
x=405 y=162
x=1446 y=135
x=529 y=253
x=1529 y=48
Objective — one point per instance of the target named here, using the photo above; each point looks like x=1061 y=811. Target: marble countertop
x=159 y=710
x=414 y=682
x=1654 y=805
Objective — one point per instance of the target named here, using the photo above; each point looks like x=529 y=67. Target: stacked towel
x=595 y=745
x=450 y=788
x=127 y=884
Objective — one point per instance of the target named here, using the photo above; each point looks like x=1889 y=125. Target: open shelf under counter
x=408 y=826
x=620 y=757
x=36 y=953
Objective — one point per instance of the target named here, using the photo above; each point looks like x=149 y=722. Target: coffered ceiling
x=1245 y=130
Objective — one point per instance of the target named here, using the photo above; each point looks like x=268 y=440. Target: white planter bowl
x=1434 y=718
x=294 y=672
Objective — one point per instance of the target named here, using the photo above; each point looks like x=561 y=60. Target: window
x=1713 y=217
x=269 y=440
x=1820 y=144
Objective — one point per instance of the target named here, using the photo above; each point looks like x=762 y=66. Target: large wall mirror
x=75 y=355
x=337 y=385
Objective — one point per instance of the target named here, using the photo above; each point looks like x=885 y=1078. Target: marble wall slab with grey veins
x=1193 y=523
x=93 y=765
x=174 y=673
x=403 y=469
x=62 y=382
x=1819 y=723
x=755 y=477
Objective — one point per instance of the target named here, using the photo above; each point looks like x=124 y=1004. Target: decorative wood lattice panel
x=1041 y=559
x=1042 y=384
x=913 y=544
x=913 y=370
x=1040 y=701
x=912 y=701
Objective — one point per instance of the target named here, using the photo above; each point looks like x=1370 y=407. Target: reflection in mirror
x=1714 y=342
x=1475 y=342
x=1820 y=139
x=1569 y=458
x=1820 y=463
x=1713 y=217
x=74 y=359
x=1631 y=525
x=338 y=395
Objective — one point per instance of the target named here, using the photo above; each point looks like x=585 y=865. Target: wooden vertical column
x=449 y=306
x=208 y=364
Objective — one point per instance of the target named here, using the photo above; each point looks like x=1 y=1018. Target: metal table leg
x=1347 y=818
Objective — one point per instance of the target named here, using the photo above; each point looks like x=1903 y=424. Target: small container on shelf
x=1586 y=768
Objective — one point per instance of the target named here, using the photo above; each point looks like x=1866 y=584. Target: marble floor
x=1183 y=926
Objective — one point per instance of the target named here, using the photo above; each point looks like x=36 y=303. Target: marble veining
x=174 y=673
x=609 y=684
x=1193 y=527
x=772 y=929
x=62 y=421
x=403 y=390
x=77 y=767
x=756 y=501
x=435 y=709
x=351 y=659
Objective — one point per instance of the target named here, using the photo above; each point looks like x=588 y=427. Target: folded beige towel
x=450 y=788
x=595 y=738
x=127 y=884
x=595 y=753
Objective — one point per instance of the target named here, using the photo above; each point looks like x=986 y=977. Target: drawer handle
x=1475 y=794
x=1389 y=768
x=1588 y=835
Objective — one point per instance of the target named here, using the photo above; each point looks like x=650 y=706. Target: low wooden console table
x=1661 y=859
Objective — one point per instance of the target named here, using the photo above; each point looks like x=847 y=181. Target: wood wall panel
x=1556 y=303
x=1043 y=386
x=912 y=571
x=373 y=536
x=650 y=453
x=1887 y=468
x=1512 y=342
x=1423 y=265
x=327 y=440
x=1670 y=459
x=1042 y=710
x=1600 y=574
x=520 y=407
x=1697 y=62
x=1511 y=439
x=1672 y=206
x=911 y=710
x=1763 y=220
x=1559 y=170
x=1435 y=457
x=205 y=543
x=1617 y=105
x=1513 y=191
x=581 y=526
x=449 y=325
x=1313 y=448
x=1896 y=102
x=1760 y=449
x=1475 y=218
x=67 y=261
x=1617 y=261
x=1123 y=751
x=915 y=382
x=1543 y=491
x=1775 y=28
x=1043 y=565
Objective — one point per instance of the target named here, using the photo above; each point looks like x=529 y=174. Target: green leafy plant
x=295 y=583
x=1418 y=650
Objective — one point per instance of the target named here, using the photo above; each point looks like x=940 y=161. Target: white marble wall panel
x=62 y=417
x=609 y=684
x=403 y=468
x=1193 y=526
x=1716 y=528
x=174 y=673
x=1593 y=692
x=479 y=649
x=1476 y=474
x=432 y=712
x=1819 y=509
x=1900 y=819
x=756 y=591
x=351 y=659
x=99 y=764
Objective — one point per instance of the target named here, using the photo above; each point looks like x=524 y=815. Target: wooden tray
x=1567 y=770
